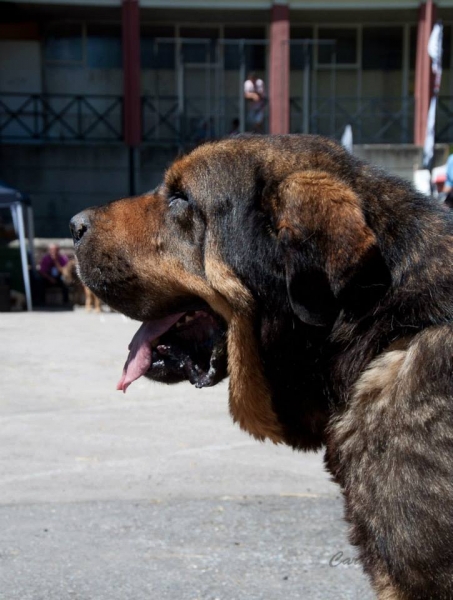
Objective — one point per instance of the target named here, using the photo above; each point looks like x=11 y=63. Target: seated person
x=51 y=269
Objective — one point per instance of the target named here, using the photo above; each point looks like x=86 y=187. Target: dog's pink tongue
x=140 y=354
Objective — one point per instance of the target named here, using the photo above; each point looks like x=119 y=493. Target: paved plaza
x=151 y=495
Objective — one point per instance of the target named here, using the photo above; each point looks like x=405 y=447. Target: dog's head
x=238 y=263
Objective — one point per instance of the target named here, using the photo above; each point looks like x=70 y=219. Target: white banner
x=428 y=148
x=435 y=52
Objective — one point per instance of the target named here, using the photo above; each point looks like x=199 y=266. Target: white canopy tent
x=22 y=213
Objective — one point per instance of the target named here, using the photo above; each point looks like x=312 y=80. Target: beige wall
x=65 y=79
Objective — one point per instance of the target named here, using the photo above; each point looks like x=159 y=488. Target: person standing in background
x=254 y=94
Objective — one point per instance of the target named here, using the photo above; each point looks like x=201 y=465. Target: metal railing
x=61 y=117
x=444 y=119
x=373 y=120
x=161 y=119
x=166 y=120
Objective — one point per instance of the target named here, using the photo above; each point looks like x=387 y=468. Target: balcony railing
x=444 y=119
x=170 y=120
x=167 y=120
x=60 y=117
x=373 y=120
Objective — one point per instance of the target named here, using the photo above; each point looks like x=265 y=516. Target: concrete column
x=279 y=68
x=131 y=71
x=423 y=74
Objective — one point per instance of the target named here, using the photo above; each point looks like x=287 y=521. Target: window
x=244 y=33
x=64 y=43
x=202 y=51
x=300 y=53
x=104 y=47
x=446 y=45
x=412 y=46
x=254 y=54
x=382 y=48
x=345 y=47
x=96 y=46
x=157 y=50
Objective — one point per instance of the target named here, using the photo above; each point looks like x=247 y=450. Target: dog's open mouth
x=183 y=346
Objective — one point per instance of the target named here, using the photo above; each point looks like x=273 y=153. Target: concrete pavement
x=152 y=494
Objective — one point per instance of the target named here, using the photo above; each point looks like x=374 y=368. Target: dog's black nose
x=79 y=225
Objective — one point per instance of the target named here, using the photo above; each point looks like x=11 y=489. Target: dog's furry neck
x=312 y=382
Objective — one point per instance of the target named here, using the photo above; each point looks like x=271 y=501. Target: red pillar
x=423 y=74
x=131 y=71
x=279 y=69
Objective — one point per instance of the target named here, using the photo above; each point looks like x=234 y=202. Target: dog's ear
x=331 y=256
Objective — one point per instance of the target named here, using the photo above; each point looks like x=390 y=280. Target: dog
x=78 y=292
x=323 y=287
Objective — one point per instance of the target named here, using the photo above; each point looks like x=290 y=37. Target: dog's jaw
x=140 y=351
x=177 y=348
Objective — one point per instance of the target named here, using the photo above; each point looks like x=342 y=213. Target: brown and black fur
x=335 y=284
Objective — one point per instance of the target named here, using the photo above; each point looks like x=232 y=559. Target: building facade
x=96 y=96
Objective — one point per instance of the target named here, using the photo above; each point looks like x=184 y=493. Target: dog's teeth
x=189 y=318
